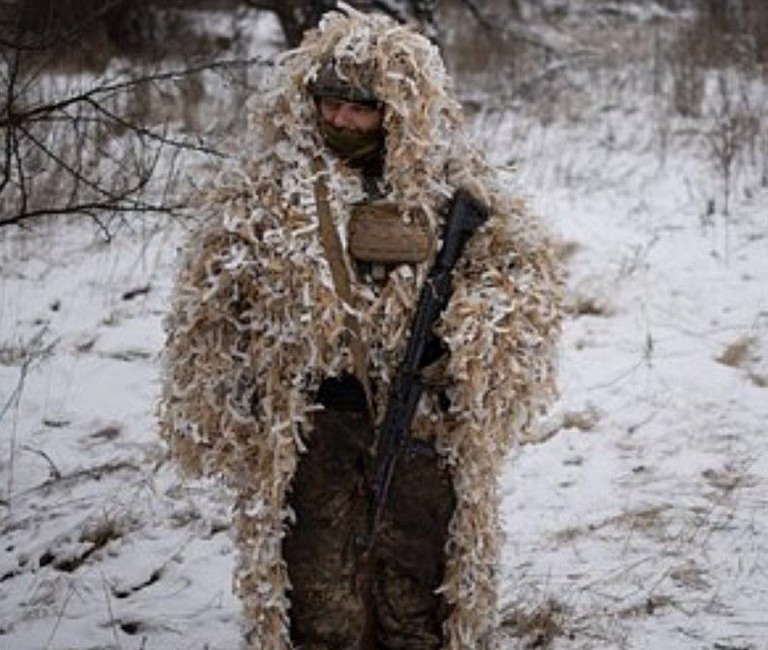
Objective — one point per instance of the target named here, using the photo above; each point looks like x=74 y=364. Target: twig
x=55 y=473
x=95 y=473
x=107 y=89
x=15 y=399
x=616 y=378
x=178 y=144
x=91 y=208
x=19 y=170
x=76 y=174
x=60 y=615
x=16 y=392
x=112 y=621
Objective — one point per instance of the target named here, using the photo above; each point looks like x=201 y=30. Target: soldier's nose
x=342 y=117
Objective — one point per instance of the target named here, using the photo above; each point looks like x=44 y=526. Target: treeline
x=132 y=22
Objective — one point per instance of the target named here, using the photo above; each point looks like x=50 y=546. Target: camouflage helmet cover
x=352 y=85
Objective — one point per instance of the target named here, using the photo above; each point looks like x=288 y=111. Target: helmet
x=352 y=87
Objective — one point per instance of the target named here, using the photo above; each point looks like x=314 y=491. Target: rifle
x=464 y=217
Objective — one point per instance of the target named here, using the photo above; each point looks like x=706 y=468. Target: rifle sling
x=334 y=254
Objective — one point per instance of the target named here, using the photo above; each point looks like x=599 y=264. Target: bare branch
x=74 y=173
x=140 y=130
x=84 y=125
x=22 y=181
x=91 y=209
x=107 y=89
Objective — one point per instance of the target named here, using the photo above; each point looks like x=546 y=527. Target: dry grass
x=729 y=478
x=566 y=250
x=94 y=536
x=587 y=300
x=738 y=353
x=648 y=607
x=585 y=419
x=103 y=530
x=536 y=624
x=645 y=519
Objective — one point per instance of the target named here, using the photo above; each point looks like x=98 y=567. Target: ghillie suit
x=256 y=325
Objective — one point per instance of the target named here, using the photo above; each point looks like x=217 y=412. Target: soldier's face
x=351 y=115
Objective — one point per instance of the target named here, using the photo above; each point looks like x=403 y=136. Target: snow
x=647 y=526
x=80 y=454
x=640 y=520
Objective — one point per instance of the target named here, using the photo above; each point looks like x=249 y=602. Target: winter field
x=639 y=521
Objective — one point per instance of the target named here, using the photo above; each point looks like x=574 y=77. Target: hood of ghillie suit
x=256 y=324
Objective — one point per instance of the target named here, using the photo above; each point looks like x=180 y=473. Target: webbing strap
x=334 y=253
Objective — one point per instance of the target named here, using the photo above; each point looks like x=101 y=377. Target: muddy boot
x=329 y=498
x=409 y=554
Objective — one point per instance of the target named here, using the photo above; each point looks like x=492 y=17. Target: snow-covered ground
x=639 y=521
x=642 y=520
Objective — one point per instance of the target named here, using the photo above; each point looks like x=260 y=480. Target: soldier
x=289 y=318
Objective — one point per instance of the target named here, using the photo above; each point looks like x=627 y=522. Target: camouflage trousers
x=400 y=609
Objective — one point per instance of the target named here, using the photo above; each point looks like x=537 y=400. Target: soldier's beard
x=362 y=149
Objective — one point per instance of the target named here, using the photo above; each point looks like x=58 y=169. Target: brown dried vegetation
x=538 y=625
x=737 y=354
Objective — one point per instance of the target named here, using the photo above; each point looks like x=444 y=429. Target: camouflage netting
x=255 y=322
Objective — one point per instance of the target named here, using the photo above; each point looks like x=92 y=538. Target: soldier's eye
x=366 y=107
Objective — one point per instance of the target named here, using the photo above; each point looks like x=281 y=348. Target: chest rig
x=377 y=236
x=380 y=239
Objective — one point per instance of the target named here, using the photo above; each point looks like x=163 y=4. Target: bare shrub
x=729 y=32
x=487 y=55
x=83 y=140
x=69 y=151
x=734 y=128
x=748 y=24
x=723 y=34
x=504 y=55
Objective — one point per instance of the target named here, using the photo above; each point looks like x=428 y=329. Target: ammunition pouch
x=378 y=234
